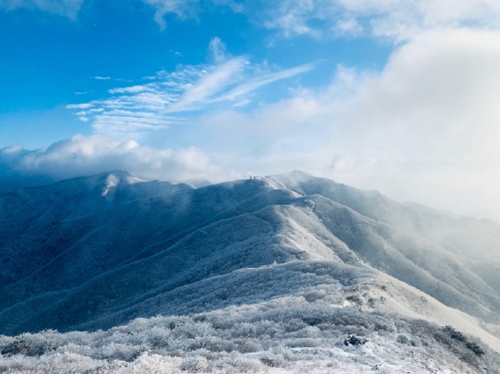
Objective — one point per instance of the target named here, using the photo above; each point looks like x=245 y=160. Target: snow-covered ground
x=285 y=335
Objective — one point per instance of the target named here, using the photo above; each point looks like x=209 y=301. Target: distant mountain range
x=95 y=252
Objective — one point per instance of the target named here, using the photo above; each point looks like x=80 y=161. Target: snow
x=93 y=253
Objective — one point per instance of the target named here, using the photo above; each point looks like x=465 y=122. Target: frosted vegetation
x=261 y=275
x=282 y=336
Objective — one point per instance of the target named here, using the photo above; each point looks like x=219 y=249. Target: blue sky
x=52 y=61
x=399 y=96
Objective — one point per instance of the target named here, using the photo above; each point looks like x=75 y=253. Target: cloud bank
x=425 y=128
x=88 y=155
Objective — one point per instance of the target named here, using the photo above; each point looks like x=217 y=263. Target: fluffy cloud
x=87 y=155
x=425 y=128
x=431 y=119
x=439 y=91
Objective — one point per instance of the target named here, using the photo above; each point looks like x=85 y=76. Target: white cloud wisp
x=176 y=98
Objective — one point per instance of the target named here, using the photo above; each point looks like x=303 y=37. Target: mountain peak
x=110 y=180
x=119 y=173
x=122 y=175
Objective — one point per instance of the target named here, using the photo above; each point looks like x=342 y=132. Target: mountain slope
x=95 y=252
x=473 y=238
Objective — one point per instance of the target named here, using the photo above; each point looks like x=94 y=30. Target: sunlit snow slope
x=95 y=252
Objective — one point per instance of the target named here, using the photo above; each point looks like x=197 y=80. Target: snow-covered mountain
x=97 y=252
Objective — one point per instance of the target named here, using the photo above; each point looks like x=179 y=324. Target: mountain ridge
x=82 y=258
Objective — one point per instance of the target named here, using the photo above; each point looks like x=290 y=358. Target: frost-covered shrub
x=117 y=351
x=194 y=364
x=244 y=329
x=457 y=335
x=313 y=296
x=68 y=363
x=192 y=330
x=294 y=324
x=307 y=332
x=5 y=341
x=294 y=343
x=139 y=325
x=235 y=364
x=157 y=337
x=16 y=347
x=83 y=350
x=402 y=339
x=254 y=338
x=54 y=362
x=274 y=360
x=268 y=328
x=151 y=364
x=474 y=347
x=82 y=338
x=219 y=322
x=31 y=344
x=210 y=343
x=454 y=334
x=177 y=321
x=247 y=345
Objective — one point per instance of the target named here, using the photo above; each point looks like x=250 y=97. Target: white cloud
x=260 y=81
x=399 y=19
x=181 y=8
x=131 y=89
x=293 y=17
x=219 y=78
x=348 y=27
x=88 y=155
x=67 y=8
x=218 y=50
x=79 y=106
x=425 y=128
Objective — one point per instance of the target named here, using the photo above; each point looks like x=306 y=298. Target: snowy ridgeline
x=287 y=335
x=263 y=275
x=83 y=250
